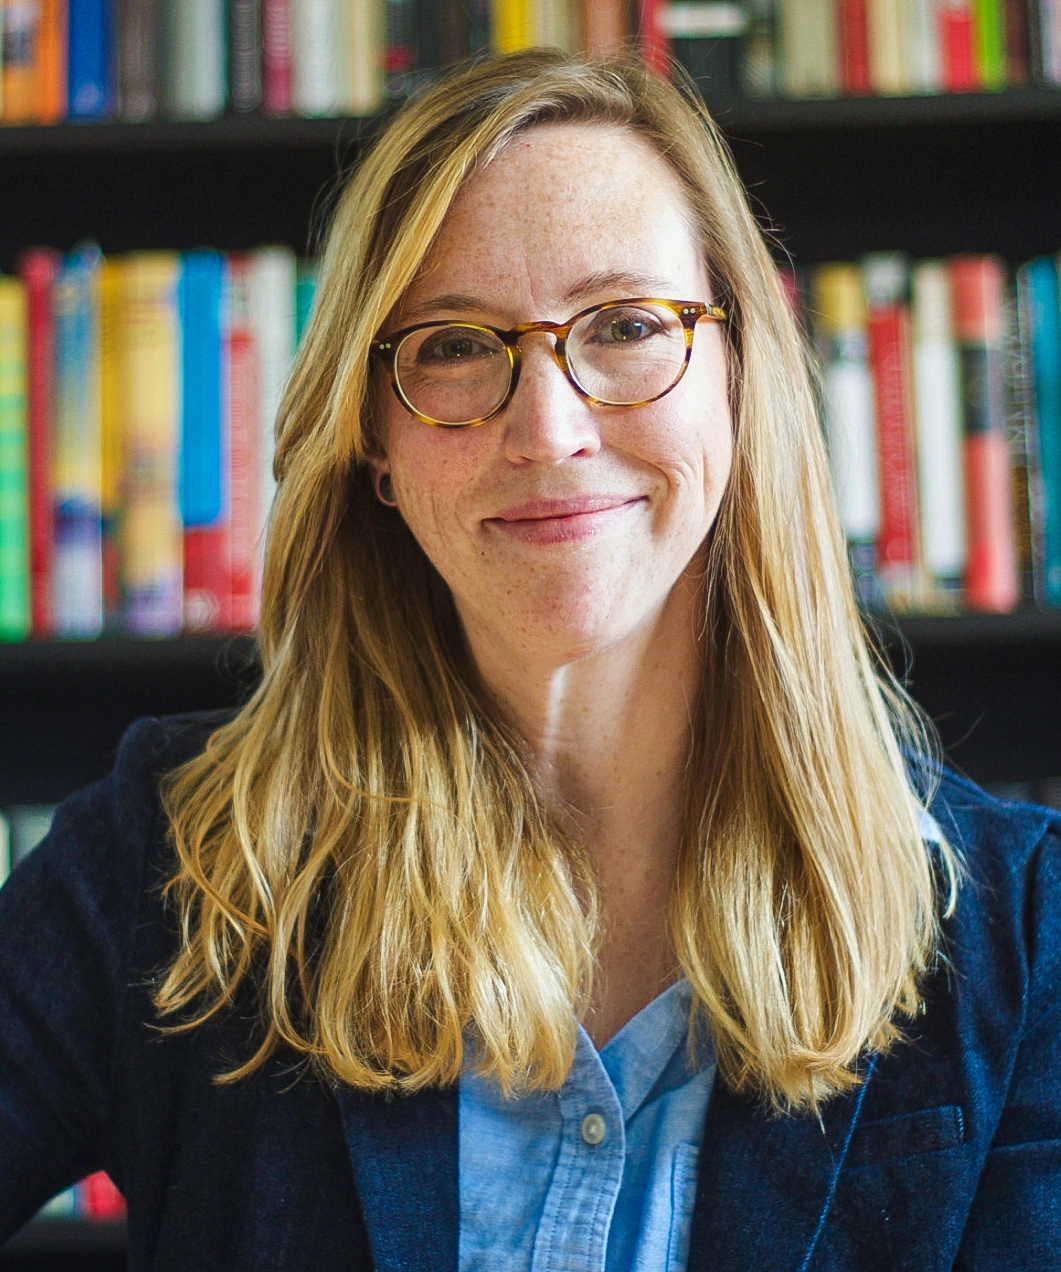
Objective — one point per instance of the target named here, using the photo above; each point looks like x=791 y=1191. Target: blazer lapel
x=404 y=1155
x=765 y=1182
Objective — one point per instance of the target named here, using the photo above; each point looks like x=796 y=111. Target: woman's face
x=563 y=527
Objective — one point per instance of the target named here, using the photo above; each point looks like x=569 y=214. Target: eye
x=623 y=326
x=449 y=346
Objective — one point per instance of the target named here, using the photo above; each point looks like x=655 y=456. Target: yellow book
x=363 y=36
x=514 y=25
x=111 y=427
x=151 y=538
x=14 y=465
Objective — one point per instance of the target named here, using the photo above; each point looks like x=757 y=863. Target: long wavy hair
x=364 y=847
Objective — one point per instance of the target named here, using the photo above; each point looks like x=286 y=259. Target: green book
x=14 y=465
x=990 y=26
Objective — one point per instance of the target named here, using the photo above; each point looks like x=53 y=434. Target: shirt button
x=594 y=1129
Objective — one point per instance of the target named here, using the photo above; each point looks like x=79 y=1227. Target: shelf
x=1028 y=626
x=223 y=655
x=68 y=1236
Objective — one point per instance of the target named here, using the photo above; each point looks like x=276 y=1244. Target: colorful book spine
x=305 y=287
x=514 y=25
x=854 y=46
x=887 y=22
x=53 y=69
x=90 y=87
x=39 y=269
x=77 y=573
x=991 y=582
x=242 y=428
x=151 y=531
x=113 y=399
x=1038 y=283
x=1017 y=43
x=318 y=57
x=139 y=48
x=989 y=28
x=957 y=46
x=20 y=32
x=99 y=1199
x=850 y=427
x=14 y=465
x=938 y=412
x=195 y=55
x=654 y=50
x=276 y=57
x=886 y=282
x=924 y=67
x=245 y=62
x=203 y=453
x=1024 y=460
x=706 y=40
x=809 y=47
x=363 y=34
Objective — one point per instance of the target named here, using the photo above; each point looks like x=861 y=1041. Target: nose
x=547 y=421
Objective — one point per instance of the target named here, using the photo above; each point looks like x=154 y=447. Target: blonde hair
x=364 y=840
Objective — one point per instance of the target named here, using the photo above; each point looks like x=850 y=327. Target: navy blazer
x=948 y=1155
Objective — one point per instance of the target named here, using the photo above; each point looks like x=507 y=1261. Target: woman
x=567 y=895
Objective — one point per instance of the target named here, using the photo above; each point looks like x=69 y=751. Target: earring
x=385 y=490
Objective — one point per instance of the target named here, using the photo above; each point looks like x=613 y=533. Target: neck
x=608 y=733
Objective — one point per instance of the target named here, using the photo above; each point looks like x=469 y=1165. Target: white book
x=1050 y=39
x=363 y=39
x=809 y=51
x=938 y=416
x=318 y=55
x=850 y=419
x=196 y=42
x=5 y=849
x=557 y=25
x=924 y=58
x=274 y=280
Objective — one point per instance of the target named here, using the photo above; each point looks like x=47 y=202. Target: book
x=924 y=67
x=195 y=41
x=39 y=269
x=245 y=58
x=112 y=401
x=1037 y=283
x=888 y=61
x=20 y=33
x=27 y=826
x=991 y=582
x=317 y=57
x=305 y=286
x=514 y=27
x=655 y=51
x=14 y=465
x=77 y=570
x=276 y=57
x=151 y=528
x=1017 y=43
x=1024 y=460
x=241 y=429
x=90 y=80
x=938 y=414
x=99 y=1199
x=808 y=47
x=854 y=46
x=139 y=49
x=363 y=35
x=5 y=849
x=989 y=27
x=957 y=46
x=53 y=68
x=706 y=40
x=203 y=476
x=886 y=282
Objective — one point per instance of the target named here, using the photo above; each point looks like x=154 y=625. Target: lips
x=562 y=520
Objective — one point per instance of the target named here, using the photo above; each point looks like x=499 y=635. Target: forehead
x=560 y=207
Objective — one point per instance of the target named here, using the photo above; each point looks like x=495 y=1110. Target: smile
x=545 y=521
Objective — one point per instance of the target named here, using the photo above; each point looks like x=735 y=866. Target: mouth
x=562 y=520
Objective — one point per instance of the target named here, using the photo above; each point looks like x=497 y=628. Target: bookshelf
x=830 y=178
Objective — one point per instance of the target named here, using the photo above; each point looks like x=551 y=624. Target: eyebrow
x=627 y=282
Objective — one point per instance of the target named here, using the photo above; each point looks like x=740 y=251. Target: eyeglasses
x=623 y=353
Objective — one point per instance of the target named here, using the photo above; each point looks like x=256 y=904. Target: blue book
x=77 y=449
x=1038 y=282
x=90 y=59
x=202 y=472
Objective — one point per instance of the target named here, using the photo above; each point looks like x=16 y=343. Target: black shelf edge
x=230 y=653
x=68 y=1236
x=232 y=132
x=1028 y=626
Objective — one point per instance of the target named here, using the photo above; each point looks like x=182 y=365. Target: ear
x=381 y=480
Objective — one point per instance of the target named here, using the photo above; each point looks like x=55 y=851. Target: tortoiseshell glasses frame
x=689 y=312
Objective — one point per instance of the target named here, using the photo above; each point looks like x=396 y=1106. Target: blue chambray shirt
x=537 y=1195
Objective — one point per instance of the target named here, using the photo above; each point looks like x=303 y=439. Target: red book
x=38 y=269
x=957 y=42
x=240 y=611
x=978 y=288
x=854 y=46
x=206 y=576
x=276 y=57
x=604 y=26
x=99 y=1199
x=899 y=546
x=654 y=46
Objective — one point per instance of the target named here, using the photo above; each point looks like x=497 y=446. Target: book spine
x=809 y=47
x=854 y=45
x=53 y=33
x=245 y=42
x=957 y=49
x=885 y=280
x=196 y=56
x=14 y=465
x=317 y=57
x=887 y=45
x=399 y=54
x=514 y=25
x=991 y=574
x=364 y=61
x=305 y=287
x=938 y=413
x=1017 y=44
x=241 y=430
x=653 y=41
x=20 y=32
x=112 y=397
x=151 y=539
x=1043 y=306
x=77 y=569
x=138 y=59
x=203 y=500
x=1024 y=445
x=989 y=30
x=477 y=16
x=273 y=318
x=850 y=426
x=39 y=269
x=924 y=68
x=90 y=89
x=276 y=57
x=99 y=1199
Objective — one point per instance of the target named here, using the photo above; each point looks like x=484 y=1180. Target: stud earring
x=385 y=490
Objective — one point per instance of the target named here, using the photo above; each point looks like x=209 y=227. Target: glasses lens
x=622 y=354
x=454 y=374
